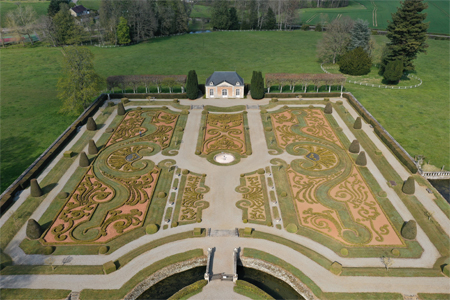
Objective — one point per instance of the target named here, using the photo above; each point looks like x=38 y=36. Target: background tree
x=233 y=19
x=21 y=21
x=66 y=31
x=79 y=83
x=355 y=62
x=123 y=32
x=360 y=36
x=219 y=15
x=54 y=7
x=47 y=28
x=270 y=21
x=335 y=40
x=407 y=34
x=192 y=85
x=394 y=71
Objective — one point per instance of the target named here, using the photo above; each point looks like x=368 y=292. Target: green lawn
x=5 y=6
x=417 y=118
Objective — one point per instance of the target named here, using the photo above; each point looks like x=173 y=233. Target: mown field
x=30 y=122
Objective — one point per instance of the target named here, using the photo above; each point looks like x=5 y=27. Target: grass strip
x=423 y=296
x=29 y=294
x=87 y=294
x=51 y=270
x=440 y=201
x=249 y=290
x=189 y=290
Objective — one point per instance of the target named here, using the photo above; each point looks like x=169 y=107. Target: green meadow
x=417 y=118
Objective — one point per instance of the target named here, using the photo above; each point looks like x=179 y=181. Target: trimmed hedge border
x=249 y=290
x=144 y=95
x=21 y=183
x=189 y=290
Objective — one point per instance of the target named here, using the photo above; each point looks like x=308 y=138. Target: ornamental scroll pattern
x=192 y=202
x=165 y=123
x=253 y=198
x=224 y=132
x=123 y=159
x=130 y=126
x=318 y=126
x=282 y=123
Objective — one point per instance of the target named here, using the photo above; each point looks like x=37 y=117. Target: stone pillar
x=235 y=258
x=207 y=275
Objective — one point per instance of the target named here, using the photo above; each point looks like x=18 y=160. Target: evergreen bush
x=355 y=62
x=91 y=125
x=393 y=71
x=35 y=189
x=62 y=195
x=283 y=194
x=305 y=27
x=257 y=85
x=92 y=149
x=109 y=267
x=395 y=252
x=354 y=147
x=409 y=230
x=197 y=231
x=261 y=171
x=361 y=159
x=124 y=100
x=103 y=249
x=336 y=268
x=109 y=130
x=248 y=231
x=318 y=27
x=408 y=186
x=151 y=228
x=446 y=270
x=358 y=123
x=328 y=108
x=339 y=102
x=47 y=250
x=34 y=230
x=84 y=160
x=120 y=109
x=192 y=85
x=185 y=172
x=344 y=251
x=292 y=228
x=162 y=195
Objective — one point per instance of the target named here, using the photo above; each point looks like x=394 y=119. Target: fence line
x=381 y=85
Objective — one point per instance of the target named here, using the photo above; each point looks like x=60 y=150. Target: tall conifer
x=192 y=85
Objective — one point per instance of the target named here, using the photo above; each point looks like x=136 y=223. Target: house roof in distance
x=220 y=76
x=79 y=9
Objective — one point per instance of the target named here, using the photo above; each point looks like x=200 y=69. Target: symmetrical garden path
x=223 y=214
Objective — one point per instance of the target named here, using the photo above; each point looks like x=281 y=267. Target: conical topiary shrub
x=84 y=160
x=409 y=230
x=35 y=189
x=354 y=147
x=361 y=159
x=358 y=123
x=408 y=186
x=120 y=109
x=328 y=108
x=34 y=230
x=92 y=149
x=91 y=125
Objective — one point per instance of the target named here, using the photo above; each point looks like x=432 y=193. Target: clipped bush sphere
x=263 y=111
x=162 y=195
x=103 y=249
x=109 y=267
x=269 y=224
x=151 y=228
x=248 y=152
x=395 y=252
x=361 y=159
x=268 y=129
x=328 y=108
x=174 y=224
x=336 y=268
x=409 y=230
x=124 y=100
x=47 y=250
x=198 y=152
x=408 y=186
x=35 y=189
x=358 y=123
x=242 y=175
x=185 y=172
x=34 y=230
x=204 y=112
x=274 y=99
x=109 y=130
x=92 y=148
x=245 y=220
x=261 y=171
x=292 y=228
x=283 y=194
x=120 y=109
x=91 y=125
x=446 y=270
x=354 y=147
x=62 y=195
x=339 y=102
x=84 y=160
x=344 y=251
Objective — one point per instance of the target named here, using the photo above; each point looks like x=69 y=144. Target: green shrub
x=339 y=102
x=328 y=108
x=409 y=230
x=311 y=106
x=263 y=111
x=395 y=252
x=292 y=228
x=84 y=160
x=336 y=268
x=151 y=228
x=248 y=231
x=268 y=129
x=245 y=220
x=111 y=104
x=257 y=85
x=248 y=152
x=355 y=62
x=68 y=154
x=124 y=100
x=35 y=189
x=192 y=85
x=382 y=194
x=261 y=171
x=358 y=123
x=318 y=27
x=185 y=112
x=278 y=226
x=197 y=231
x=409 y=186
x=344 y=251
x=274 y=99
x=5 y=260
x=446 y=270
x=103 y=249
x=180 y=129
x=109 y=267
x=120 y=109
x=62 y=195
x=174 y=224
x=91 y=125
x=361 y=159
x=185 y=172
x=47 y=250
x=162 y=195
x=305 y=27
x=109 y=130
x=326 y=99
x=283 y=194
x=198 y=152
x=354 y=147
x=393 y=71
x=92 y=148
x=34 y=230
x=378 y=152
x=204 y=112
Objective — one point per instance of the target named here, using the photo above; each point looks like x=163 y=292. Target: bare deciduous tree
x=22 y=21
x=335 y=40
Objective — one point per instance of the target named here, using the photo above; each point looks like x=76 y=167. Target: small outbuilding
x=78 y=11
x=224 y=84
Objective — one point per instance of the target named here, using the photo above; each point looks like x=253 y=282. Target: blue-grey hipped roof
x=219 y=77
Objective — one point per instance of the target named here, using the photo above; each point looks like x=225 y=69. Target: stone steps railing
x=435 y=175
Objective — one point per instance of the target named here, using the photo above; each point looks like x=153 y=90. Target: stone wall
x=279 y=273
x=164 y=273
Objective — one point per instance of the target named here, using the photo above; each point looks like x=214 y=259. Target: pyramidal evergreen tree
x=355 y=62
x=257 y=85
x=270 y=21
x=407 y=34
x=192 y=85
x=360 y=36
x=393 y=71
x=123 y=32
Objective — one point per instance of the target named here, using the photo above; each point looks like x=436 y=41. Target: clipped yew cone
x=361 y=159
x=34 y=230
x=35 y=188
x=91 y=125
x=92 y=149
x=328 y=108
x=354 y=147
x=409 y=230
x=120 y=109
x=84 y=160
x=358 y=123
x=408 y=186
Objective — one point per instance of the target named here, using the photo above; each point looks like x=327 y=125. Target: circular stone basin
x=224 y=158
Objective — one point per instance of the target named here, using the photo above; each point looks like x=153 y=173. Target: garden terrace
x=305 y=80
x=135 y=81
